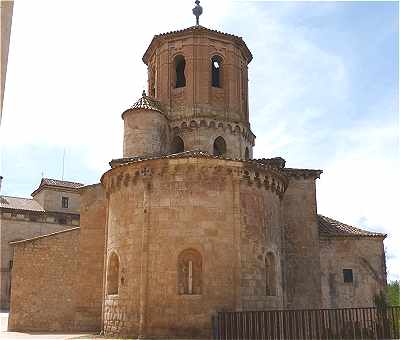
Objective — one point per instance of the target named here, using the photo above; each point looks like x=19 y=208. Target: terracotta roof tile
x=329 y=227
x=306 y=173
x=274 y=163
x=146 y=103
x=19 y=203
x=59 y=183
x=50 y=182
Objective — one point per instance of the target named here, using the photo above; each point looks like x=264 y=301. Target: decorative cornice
x=178 y=126
x=195 y=30
x=302 y=173
x=267 y=175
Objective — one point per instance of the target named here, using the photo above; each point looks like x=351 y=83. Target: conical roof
x=146 y=103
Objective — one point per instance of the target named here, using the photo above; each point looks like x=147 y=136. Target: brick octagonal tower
x=199 y=77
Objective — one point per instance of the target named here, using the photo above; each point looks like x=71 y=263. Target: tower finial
x=197 y=11
x=144 y=93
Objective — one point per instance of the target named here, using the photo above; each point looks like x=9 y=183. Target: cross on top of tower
x=197 y=11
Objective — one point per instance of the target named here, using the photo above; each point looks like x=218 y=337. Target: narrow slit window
x=189 y=272
x=246 y=154
x=180 y=64
x=270 y=275
x=216 y=63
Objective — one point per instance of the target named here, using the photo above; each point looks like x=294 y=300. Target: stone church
x=188 y=223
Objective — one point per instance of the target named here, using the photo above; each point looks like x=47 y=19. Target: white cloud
x=75 y=66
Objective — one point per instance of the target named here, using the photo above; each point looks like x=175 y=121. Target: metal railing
x=343 y=323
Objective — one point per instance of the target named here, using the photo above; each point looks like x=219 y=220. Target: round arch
x=177 y=145
x=219 y=148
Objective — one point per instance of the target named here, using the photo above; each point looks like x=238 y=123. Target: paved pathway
x=4 y=335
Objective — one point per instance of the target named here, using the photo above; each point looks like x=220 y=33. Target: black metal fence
x=344 y=323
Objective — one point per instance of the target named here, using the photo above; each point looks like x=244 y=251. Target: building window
x=113 y=274
x=216 y=63
x=219 y=146
x=270 y=275
x=177 y=145
x=152 y=80
x=189 y=272
x=348 y=275
x=246 y=154
x=64 y=202
x=180 y=79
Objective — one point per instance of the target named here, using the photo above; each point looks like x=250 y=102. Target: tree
x=393 y=293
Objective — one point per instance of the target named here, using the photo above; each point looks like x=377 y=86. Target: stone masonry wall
x=146 y=134
x=158 y=209
x=201 y=134
x=365 y=256
x=43 y=296
x=302 y=274
x=18 y=226
x=261 y=233
x=151 y=220
x=91 y=258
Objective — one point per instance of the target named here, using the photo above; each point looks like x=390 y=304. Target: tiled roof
x=19 y=203
x=279 y=162
x=198 y=29
x=306 y=173
x=185 y=154
x=330 y=227
x=57 y=183
x=275 y=163
x=146 y=103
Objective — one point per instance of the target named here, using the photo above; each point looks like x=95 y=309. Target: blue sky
x=324 y=86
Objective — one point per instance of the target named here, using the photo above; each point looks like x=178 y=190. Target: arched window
x=180 y=79
x=112 y=274
x=270 y=275
x=177 y=145
x=216 y=63
x=246 y=154
x=189 y=272
x=219 y=146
